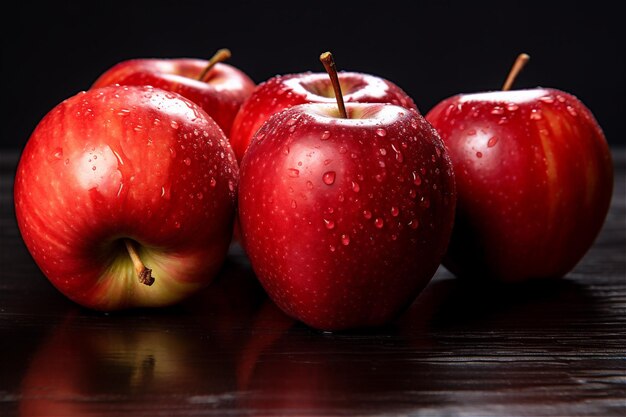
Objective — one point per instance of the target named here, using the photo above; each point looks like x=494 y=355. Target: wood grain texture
x=541 y=349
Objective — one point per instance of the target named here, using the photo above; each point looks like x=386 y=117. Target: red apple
x=220 y=92
x=345 y=220
x=534 y=180
x=117 y=180
x=285 y=91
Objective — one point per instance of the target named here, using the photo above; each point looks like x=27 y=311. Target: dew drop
x=93 y=168
x=367 y=214
x=58 y=153
x=413 y=224
x=417 y=180
x=497 y=110
x=512 y=107
x=471 y=132
x=293 y=172
x=492 y=141
x=177 y=225
x=187 y=161
x=547 y=99
x=571 y=111
x=382 y=151
x=381 y=132
x=414 y=123
x=294 y=204
x=286 y=150
x=231 y=186
x=212 y=182
x=535 y=114
x=342 y=149
x=329 y=224
x=123 y=112
x=327 y=161
x=395 y=211
x=332 y=248
x=412 y=193
x=394 y=236
x=325 y=135
x=379 y=222
x=345 y=240
x=309 y=185
x=199 y=196
x=329 y=177
x=174 y=124
x=479 y=154
x=356 y=187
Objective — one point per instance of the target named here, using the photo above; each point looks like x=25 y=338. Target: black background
x=430 y=49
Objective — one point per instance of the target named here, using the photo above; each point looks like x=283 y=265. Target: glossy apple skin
x=126 y=162
x=345 y=220
x=283 y=91
x=534 y=180
x=221 y=95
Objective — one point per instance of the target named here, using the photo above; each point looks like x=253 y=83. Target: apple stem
x=521 y=60
x=331 y=69
x=221 y=55
x=144 y=274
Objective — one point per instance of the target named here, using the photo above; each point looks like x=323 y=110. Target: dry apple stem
x=220 y=55
x=144 y=274
x=521 y=60
x=331 y=69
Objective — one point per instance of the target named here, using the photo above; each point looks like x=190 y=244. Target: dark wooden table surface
x=544 y=349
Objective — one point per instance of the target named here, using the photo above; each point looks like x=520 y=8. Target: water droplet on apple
x=67 y=161
x=381 y=163
x=231 y=186
x=414 y=123
x=123 y=112
x=379 y=222
x=412 y=193
x=309 y=185
x=383 y=151
x=329 y=177
x=212 y=182
x=413 y=224
x=381 y=132
x=199 y=196
x=286 y=150
x=512 y=107
x=342 y=149
x=560 y=98
x=355 y=187
x=535 y=114
x=547 y=99
x=471 y=132
x=294 y=204
x=367 y=214
x=93 y=168
x=395 y=211
x=571 y=111
x=479 y=154
x=497 y=110
x=325 y=135
x=345 y=240
x=187 y=161
x=332 y=248
x=394 y=236
x=492 y=141
x=417 y=180
x=174 y=124
x=58 y=153
x=329 y=224
x=177 y=225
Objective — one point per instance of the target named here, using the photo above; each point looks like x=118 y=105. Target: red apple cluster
x=346 y=197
